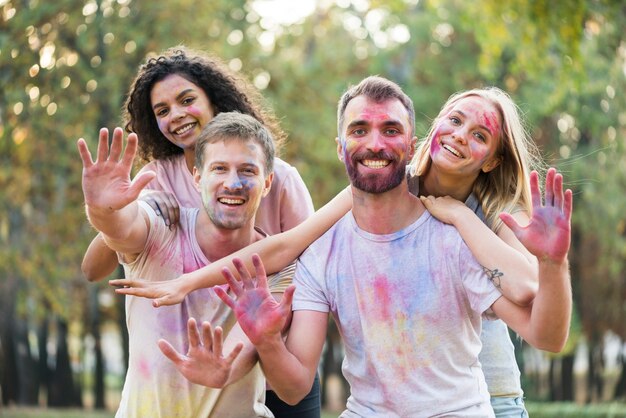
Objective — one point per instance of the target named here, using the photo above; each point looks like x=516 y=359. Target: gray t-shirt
x=409 y=307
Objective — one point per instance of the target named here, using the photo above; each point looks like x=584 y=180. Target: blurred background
x=66 y=65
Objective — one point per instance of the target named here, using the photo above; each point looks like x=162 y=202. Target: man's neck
x=217 y=242
x=385 y=213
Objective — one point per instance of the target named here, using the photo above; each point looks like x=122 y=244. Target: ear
x=196 y=178
x=412 y=147
x=339 y=149
x=491 y=164
x=267 y=186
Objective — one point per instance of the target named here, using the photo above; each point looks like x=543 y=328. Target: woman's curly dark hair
x=226 y=91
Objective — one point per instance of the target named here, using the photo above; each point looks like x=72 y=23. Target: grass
x=535 y=409
x=20 y=412
x=15 y=412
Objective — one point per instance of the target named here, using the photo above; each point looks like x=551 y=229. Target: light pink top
x=153 y=387
x=287 y=204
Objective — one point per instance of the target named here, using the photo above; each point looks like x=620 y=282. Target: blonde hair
x=506 y=188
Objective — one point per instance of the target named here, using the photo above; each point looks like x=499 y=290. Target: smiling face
x=232 y=182
x=376 y=143
x=467 y=137
x=181 y=109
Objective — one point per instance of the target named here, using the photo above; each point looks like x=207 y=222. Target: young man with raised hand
x=233 y=171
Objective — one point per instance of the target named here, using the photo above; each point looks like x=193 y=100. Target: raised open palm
x=259 y=315
x=106 y=181
x=548 y=234
x=204 y=363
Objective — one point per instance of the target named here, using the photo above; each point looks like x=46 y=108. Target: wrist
x=270 y=344
x=553 y=266
x=97 y=211
x=459 y=215
x=187 y=283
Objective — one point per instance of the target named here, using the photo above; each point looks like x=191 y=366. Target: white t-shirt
x=153 y=387
x=408 y=306
x=497 y=356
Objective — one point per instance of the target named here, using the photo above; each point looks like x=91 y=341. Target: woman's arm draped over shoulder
x=509 y=265
x=276 y=251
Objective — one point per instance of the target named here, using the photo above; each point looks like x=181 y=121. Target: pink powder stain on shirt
x=382 y=297
x=144 y=368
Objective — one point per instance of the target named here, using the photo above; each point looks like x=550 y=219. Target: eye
x=188 y=100
x=249 y=171
x=359 y=132
x=480 y=136
x=392 y=131
x=218 y=168
x=455 y=120
x=161 y=112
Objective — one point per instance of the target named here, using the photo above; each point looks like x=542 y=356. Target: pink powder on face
x=490 y=120
x=196 y=112
x=162 y=123
x=435 y=147
x=479 y=152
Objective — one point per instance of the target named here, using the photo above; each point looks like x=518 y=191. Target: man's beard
x=375 y=183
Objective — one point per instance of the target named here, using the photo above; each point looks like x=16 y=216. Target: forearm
x=246 y=360
x=552 y=308
x=288 y=377
x=124 y=230
x=510 y=270
x=99 y=260
x=276 y=251
x=113 y=224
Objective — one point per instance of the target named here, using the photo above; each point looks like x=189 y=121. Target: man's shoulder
x=329 y=240
x=161 y=232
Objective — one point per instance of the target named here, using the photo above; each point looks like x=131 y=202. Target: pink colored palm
x=259 y=315
x=548 y=234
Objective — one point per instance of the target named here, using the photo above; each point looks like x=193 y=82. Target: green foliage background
x=65 y=67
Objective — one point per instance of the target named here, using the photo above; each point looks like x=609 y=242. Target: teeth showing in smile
x=184 y=129
x=375 y=163
x=453 y=151
x=231 y=201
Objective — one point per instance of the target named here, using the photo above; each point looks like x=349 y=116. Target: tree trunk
x=98 y=388
x=42 y=343
x=554 y=380
x=9 y=378
x=121 y=322
x=567 y=377
x=595 y=383
x=620 y=388
x=62 y=392
x=28 y=382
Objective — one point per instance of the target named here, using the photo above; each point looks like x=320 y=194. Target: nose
x=376 y=142
x=459 y=136
x=232 y=181
x=177 y=112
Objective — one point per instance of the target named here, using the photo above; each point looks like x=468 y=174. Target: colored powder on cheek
x=349 y=145
x=479 y=151
x=162 y=124
x=247 y=185
x=434 y=146
x=194 y=111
